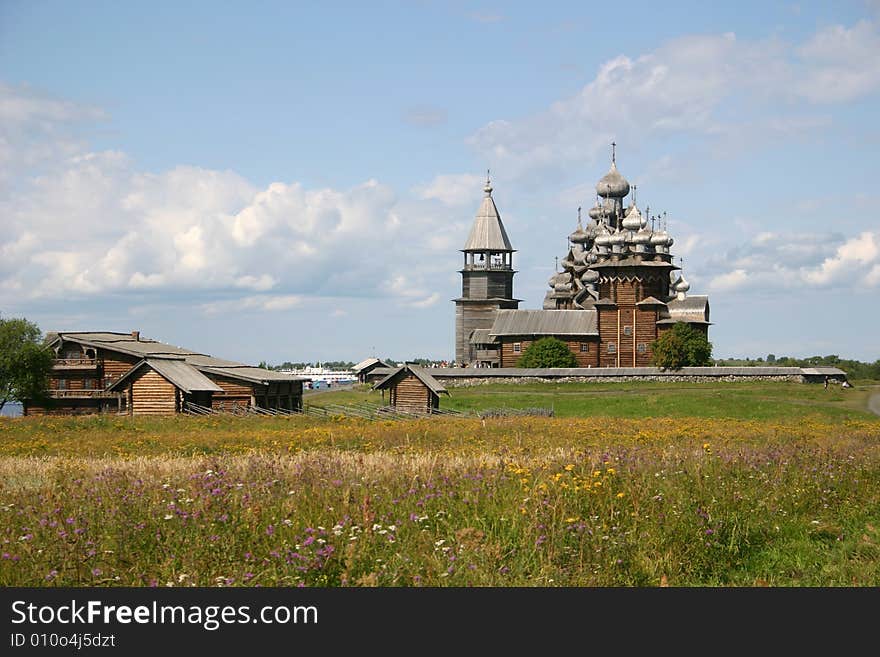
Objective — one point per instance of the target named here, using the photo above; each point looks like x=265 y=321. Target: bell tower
x=486 y=278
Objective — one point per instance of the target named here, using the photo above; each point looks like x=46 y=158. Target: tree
x=681 y=346
x=25 y=362
x=547 y=352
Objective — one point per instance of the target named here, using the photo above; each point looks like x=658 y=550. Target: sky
x=292 y=181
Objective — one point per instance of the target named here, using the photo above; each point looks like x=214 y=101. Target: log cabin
x=123 y=373
x=412 y=389
x=618 y=274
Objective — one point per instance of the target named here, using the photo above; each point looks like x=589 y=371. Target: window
x=642 y=348
x=517 y=347
x=585 y=347
x=88 y=384
x=62 y=384
x=108 y=381
x=627 y=330
x=612 y=348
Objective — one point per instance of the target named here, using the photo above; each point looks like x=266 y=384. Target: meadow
x=627 y=485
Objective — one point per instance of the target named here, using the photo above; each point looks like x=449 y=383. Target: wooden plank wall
x=646 y=333
x=608 y=333
x=151 y=394
x=115 y=363
x=509 y=358
x=411 y=394
x=235 y=391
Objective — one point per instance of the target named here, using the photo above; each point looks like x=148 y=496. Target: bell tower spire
x=486 y=277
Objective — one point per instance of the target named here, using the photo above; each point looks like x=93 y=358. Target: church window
x=627 y=330
x=585 y=347
x=642 y=348
x=517 y=347
x=612 y=347
x=62 y=384
x=88 y=384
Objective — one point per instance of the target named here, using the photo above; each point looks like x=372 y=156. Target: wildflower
x=569 y=467
x=168 y=516
x=619 y=495
x=52 y=574
x=96 y=572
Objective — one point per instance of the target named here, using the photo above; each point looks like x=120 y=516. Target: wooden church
x=615 y=291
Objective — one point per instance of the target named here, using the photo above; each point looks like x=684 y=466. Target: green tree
x=547 y=352
x=25 y=362
x=681 y=346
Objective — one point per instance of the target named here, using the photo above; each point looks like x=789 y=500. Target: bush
x=681 y=346
x=547 y=352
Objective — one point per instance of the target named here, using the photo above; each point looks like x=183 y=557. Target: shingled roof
x=545 y=322
x=175 y=370
x=134 y=345
x=419 y=372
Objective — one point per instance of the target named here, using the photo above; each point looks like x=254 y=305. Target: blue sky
x=292 y=181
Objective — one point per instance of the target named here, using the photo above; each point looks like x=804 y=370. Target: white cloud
x=734 y=91
x=777 y=261
x=90 y=224
x=260 y=303
x=453 y=188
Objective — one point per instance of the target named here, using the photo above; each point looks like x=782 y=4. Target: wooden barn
x=412 y=389
x=98 y=372
x=364 y=369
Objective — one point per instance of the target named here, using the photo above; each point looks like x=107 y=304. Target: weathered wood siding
x=152 y=394
x=608 y=332
x=235 y=392
x=589 y=358
x=410 y=394
x=116 y=364
x=646 y=333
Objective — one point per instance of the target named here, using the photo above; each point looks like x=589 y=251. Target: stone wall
x=466 y=382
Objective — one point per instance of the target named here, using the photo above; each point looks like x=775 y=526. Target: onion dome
x=612 y=184
x=604 y=238
x=590 y=276
x=595 y=212
x=643 y=236
x=659 y=238
x=633 y=220
x=579 y=235
x=681 y=285
x=592 y=257
x=618 y=238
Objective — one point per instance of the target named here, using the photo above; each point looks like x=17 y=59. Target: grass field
x=628 y=485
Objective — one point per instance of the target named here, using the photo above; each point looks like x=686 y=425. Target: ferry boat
x=322 y=377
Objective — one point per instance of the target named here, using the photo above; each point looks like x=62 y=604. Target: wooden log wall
x=116 y=364
x=646 y=333
x=411 y=394
x=608 y=332
x=152 y=394
x=235 y=391
x=590 y=358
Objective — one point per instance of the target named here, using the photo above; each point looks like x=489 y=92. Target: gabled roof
x=482 y=336
x=545 y=322
x=692 y=310
x=487 y=233
x=140 y=347
x=368 y=362
x=419 y=372
x=175 y=370
x=651 y=301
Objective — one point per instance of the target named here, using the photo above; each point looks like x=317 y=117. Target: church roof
x=545 y=322
x=692 y=309
x=487 y=233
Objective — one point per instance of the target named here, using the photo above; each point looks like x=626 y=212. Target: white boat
x=320 y=375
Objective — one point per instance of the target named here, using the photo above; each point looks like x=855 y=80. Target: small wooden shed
x=365 y=367
x=162 y=386
x=412 y=389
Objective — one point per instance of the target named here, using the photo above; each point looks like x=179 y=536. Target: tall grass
x=447 y=502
